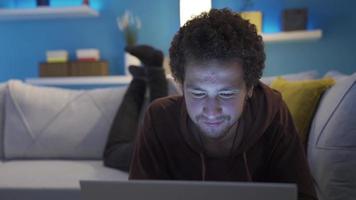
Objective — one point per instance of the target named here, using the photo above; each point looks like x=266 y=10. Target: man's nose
x=212 y=108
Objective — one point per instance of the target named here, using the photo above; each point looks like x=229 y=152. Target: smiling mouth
x=213 y=123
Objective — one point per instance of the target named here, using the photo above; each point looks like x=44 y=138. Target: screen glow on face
x=223 y=94
x=214 y=93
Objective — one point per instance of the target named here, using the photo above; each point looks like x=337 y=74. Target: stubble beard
x=220 y=131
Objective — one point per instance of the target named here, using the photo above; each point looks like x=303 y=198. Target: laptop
x=185 y=190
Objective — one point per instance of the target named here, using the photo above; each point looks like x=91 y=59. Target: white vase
x=130 y=60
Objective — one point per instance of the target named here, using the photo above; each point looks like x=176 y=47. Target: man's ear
x=250 y=92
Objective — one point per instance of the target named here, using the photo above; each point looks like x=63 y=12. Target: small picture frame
x=294 y=19
x=42 y=2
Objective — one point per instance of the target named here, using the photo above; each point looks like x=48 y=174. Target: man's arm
x=288 y=161
x=149 y=160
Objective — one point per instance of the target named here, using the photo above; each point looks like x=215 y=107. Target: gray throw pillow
x=332 y=142
x=45 y=122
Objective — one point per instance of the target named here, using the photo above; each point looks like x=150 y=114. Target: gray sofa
x=50 y=138
x=331 y=147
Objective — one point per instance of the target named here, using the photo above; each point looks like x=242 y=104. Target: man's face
x=214 y=93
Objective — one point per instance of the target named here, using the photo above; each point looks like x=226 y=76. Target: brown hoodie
x=269 y=150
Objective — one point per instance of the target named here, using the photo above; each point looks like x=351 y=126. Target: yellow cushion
x=254 y=17
x=302 y=98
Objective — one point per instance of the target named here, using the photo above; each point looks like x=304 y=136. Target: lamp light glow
x=191 y=8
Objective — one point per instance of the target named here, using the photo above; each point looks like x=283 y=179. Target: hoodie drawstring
x=249 y=178
x=203 y=166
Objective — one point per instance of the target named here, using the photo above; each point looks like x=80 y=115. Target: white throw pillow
x=306 y=75
x=45 y=122
x=336 y=75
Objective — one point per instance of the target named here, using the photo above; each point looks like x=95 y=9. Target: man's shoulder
x=270 y=94
x=168 y=102
x=164 y=116
x=170 y=105
x=280 y=119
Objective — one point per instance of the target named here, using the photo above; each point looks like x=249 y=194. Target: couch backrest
x=332 y=142
x=2 y=103
x=305 y=75
x=47 y=122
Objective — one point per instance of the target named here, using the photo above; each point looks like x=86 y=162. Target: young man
x=227 y=126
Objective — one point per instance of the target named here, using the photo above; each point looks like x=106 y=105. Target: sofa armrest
x=331 y=148
x=2 y=118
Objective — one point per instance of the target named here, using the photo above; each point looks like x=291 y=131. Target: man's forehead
x=209 y=76
x=220 y=83
x=213 y=73
x=213 y=67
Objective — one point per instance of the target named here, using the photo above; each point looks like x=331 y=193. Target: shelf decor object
x=87 y=54
x=129 y=24
x=294 y=19
x=45 y=12
x=254 y=17
x=54 y=56
x=42 y=2
x=89 y=68
x=74 y=68
x=54 y=69
x=86 y=2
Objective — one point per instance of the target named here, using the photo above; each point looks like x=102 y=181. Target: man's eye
x=226 y=95
x=198 y=94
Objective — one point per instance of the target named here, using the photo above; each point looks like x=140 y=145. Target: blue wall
x=23 y=43
x=335 y=50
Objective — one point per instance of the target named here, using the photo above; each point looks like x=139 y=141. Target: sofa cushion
x=306 y=75
x=44 y=122
x=2 y=105
x=302 y=98
x=54 y=174
x=332 y=142
x=336 y=75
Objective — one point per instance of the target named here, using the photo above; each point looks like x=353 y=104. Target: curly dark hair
x=219 y=34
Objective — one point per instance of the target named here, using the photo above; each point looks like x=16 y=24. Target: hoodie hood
x=258 y=113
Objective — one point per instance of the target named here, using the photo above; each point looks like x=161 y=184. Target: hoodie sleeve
x=288 y=160
x=149 y=160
